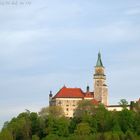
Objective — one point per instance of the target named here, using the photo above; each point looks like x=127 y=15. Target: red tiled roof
x=95 y=102
x=69 y=93
x=89 y=95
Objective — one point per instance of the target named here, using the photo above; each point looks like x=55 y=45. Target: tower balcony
x=99 y=76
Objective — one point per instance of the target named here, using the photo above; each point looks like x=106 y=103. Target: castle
x=68 y=98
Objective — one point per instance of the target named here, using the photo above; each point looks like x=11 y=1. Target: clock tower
x=100 y=87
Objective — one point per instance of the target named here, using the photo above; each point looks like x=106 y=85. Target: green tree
x=123 y=103
x=35 y=123
x=135 y=106
x=35 y=137
x=126 y=120
x=93 y=124
x=114 y=122
x=58 y=126
x=137 y=123
x=84 y=109
x=90 y=123
x=20 y=127
x=103 y=118
x=53 y=111
x=121 y=135
x=6 y=135
x=51 y=137
x=107 y=136
x=85 y=113
x=130 y=136
x=83 y=129
x=73 y=123
x=115 y=136
x=5 y=125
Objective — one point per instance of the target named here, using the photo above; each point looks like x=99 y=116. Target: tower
x=100 y=88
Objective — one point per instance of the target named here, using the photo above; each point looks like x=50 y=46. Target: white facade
x=68 y=105
x=116 y=108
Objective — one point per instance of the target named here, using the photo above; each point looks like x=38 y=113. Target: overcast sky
x=45 y=44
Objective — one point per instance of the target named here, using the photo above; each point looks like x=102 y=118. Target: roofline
x=117 y=106
x=67 y=97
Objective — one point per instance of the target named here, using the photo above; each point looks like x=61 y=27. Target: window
x=59 y=103
x=97 y=83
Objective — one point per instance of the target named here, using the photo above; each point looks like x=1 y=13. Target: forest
x=90 y=122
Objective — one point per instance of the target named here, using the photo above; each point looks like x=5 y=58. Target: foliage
x=90 y=122
x=35 y=137
x=83 y=129
x=6 y=135
x=123 y=103
x=103 y=117
x=84 y=109
x=135 y=106
x=58 y=126
x=53 y=111
x=126 y=120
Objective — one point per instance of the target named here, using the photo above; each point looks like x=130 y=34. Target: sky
x=46 y=44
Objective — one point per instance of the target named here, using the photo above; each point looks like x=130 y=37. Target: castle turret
x=87 y=88
x=100 y=87
x=50 y=97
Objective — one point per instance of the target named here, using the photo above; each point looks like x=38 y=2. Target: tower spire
x=100 y=88
x=99 y=61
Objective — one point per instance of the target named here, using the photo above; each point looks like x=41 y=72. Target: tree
x=114 y=122
x=123 y=103
x=53 y=111
x=90 y=123
x=35 y=123
x=103 y=118
x=107 y=136
x=73 y=123
x=126 y=120
x=35 y=137
x=85 y=109
x=137 y=123
x=58 y=126
x=85 y=113
x=115 y=136
x=5 y=125
x=135 y=106
x=130 y=136
x=93 y=124
x=6 y=135
x=20 y=127
x=62 y=127
x=51 y=137
x=83 y=129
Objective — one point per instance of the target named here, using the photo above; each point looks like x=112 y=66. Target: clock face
x=99 y=71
